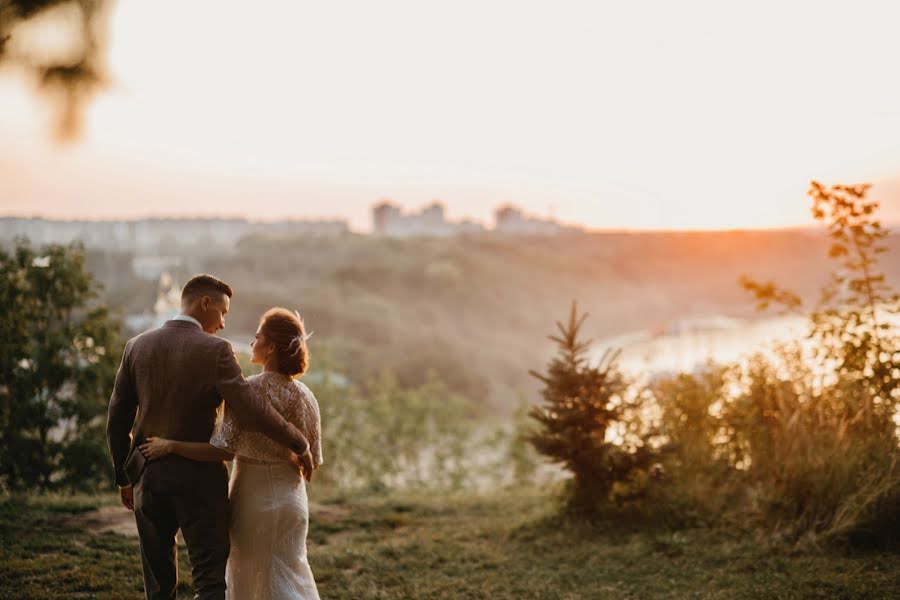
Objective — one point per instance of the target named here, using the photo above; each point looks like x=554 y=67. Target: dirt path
x=117 y=519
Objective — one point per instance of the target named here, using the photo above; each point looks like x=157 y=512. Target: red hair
x=285 y=330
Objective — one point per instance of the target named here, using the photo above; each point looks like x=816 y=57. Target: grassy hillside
x=477 y=309
x=503 y=546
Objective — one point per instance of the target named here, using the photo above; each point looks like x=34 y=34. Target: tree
x=57 y=364
x=69 y=77
x=581 y=405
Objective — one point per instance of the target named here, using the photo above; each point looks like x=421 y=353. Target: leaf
x=837 y=250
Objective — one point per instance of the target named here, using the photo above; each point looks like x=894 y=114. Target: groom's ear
x=204 y=303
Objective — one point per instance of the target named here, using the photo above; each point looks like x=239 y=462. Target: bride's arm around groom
x=163 y=384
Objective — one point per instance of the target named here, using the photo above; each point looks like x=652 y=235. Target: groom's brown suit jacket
x=170 y=384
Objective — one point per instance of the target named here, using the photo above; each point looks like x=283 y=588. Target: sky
x=637 y=115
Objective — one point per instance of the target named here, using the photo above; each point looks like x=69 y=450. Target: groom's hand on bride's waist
x=303 y=463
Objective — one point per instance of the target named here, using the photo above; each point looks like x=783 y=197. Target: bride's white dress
x=267 y=497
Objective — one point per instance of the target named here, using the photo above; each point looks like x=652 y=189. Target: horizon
x=489 y=226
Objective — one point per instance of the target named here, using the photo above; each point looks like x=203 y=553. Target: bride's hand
x=155 y=447
x=303 y=463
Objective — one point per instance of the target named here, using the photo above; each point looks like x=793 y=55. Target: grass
x=47 y=551
x=502 y=546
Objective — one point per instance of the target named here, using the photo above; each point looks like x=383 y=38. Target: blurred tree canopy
x=57 y=363
x=68 y=73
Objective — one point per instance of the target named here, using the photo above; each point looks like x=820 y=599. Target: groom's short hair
x=204 y=285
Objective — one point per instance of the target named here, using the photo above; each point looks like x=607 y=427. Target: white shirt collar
x=187 y=318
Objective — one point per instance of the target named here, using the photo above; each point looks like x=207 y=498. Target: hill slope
x=478 y=309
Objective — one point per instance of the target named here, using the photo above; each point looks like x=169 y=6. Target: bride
x=267 y=493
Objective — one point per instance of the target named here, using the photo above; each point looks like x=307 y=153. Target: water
x=688 y=344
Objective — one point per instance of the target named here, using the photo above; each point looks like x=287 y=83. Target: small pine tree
x=581 y=403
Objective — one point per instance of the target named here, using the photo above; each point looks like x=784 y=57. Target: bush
x=816 y=469
x=385 y=436
x=698 y=469
x=804 y=441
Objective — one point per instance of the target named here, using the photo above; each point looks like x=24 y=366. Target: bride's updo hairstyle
x=285 y=329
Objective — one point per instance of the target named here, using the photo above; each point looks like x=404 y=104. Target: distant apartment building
x=154 y=235
x=512 y=221
x=388 y=219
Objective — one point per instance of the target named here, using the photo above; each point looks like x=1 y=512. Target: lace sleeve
x=226 y=434
x=312 y=423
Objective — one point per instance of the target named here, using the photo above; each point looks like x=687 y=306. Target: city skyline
x=387 y=217
x=365 y=222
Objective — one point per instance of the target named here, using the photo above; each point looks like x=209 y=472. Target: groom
x=173 y=379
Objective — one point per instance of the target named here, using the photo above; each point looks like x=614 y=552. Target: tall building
x=430 y=221
x=511 y=220
x=384 y=216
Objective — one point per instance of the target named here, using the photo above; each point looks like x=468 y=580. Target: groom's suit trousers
x=177 y=493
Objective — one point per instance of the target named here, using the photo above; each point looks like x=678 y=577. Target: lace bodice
x=293 y=400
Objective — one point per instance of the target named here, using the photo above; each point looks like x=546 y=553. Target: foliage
x=813 y=473
x=582 y=405
x=852 y=337
x=849 y=325
x=520 y=455
x=810 y=433
x=698 y=467
x=385 y=436
x=57 y=363
x=68 y=77
x=378 y=306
